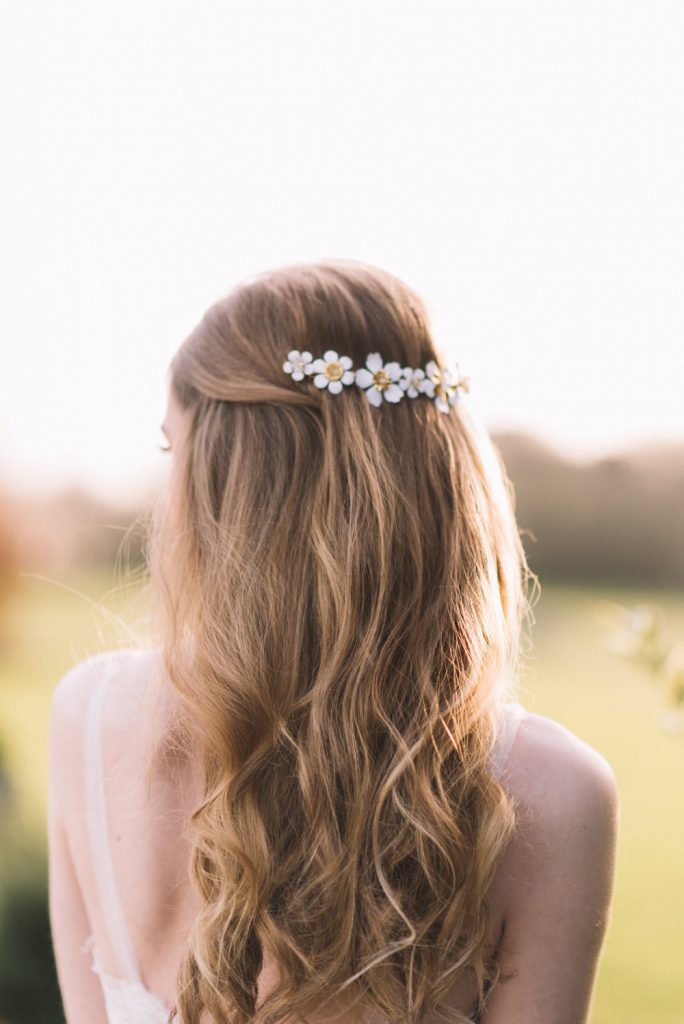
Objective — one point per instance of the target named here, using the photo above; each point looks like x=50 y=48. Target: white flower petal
x=287 y=366
x=393 y=393
x=431 y=368
x=294 y=354
x=393 y=370
x=348 y=377
x=320 y=380
x=374 y=396
x=307 y=357
x=335 y=386
x=330 y=356
x=297 y=375
x=441 y=404
x=346 y=362
x=318 y=365
x=427 y=387
x=374 y=362
x=363 y=378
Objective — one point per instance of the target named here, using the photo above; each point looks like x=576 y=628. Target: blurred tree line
x=64 y=530
x=615 y=520
x=618 y=519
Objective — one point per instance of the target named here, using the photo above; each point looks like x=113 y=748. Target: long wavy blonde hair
x=340 y=594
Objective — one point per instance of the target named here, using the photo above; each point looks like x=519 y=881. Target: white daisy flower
x=296 y=363
x=411 y=381
x=444 y=385
x=380 y=380
x=458 y=381
x=332 y=371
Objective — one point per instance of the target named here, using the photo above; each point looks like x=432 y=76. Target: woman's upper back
x=563 y=788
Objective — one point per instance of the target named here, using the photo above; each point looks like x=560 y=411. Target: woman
x=316 y=796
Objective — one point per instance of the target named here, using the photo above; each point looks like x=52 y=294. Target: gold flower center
x=381 y=380
x=334 y=371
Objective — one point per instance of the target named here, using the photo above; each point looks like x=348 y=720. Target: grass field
x=571 y=676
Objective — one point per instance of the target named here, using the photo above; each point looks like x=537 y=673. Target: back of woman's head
x=342 y=590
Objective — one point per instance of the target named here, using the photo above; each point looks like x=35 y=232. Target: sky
x=519 y=164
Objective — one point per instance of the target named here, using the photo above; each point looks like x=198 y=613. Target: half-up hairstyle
x=340 y=594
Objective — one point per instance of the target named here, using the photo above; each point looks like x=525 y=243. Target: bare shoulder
x=73 y=692
x=74 y=688
x=566 y=797
x=548 y=762
x=552 y=773
x=122 y=715
x=556 y=877
x=71 y=698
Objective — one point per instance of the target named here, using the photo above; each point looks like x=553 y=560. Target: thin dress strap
x=96 y=811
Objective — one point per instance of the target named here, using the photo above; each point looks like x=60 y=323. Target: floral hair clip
x=381 y=382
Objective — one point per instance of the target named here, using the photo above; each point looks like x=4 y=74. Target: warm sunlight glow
x=526 y=180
